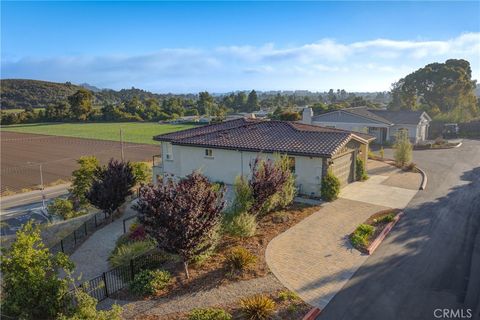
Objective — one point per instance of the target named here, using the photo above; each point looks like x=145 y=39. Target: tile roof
x=268 y=136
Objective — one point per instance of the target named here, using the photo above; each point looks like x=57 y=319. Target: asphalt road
x=431 y=260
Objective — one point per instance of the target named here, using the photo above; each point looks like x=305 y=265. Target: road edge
x=423 y=185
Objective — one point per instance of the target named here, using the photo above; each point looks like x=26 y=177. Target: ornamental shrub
x=86 y=308
x=128 y=251
x=148 y=282
x=240 y=259
x=243 y=198
x=243 y=225
x=360 y=172
x=142 y=172
x=209 y=314
x=360 y=236
x=403 y=149
x=258 y=307
x=330 y=186
x=62 y=208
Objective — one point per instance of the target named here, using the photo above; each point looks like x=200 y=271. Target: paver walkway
x=91 y=258
x=221 y=295
x=315 y=258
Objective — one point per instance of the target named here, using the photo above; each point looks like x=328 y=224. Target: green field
x=137 y=132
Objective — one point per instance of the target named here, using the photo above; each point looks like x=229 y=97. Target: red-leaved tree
x=182 y=216
x=267 y=179
x=111 y=185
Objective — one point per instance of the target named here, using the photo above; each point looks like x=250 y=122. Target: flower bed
x=213 y=271
x=366 y=233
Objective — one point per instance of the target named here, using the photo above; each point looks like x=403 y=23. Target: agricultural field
x=57 y=147
x=134 y=132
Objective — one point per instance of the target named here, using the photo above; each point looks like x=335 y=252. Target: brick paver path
x=314 y=258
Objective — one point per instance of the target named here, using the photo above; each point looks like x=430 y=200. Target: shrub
x=62 y=208
x=258 y=307
x=287 y=295
x=209 y=314
x=137 y=232
x=148 y=282
x=287 y=192
x=211 y=244
x=382 y=153
x=241 y=225
x=385 y=219
x=411 y=167
x=330 y=186
x=86 y=308
x=403 y=149
x=360 y=172
x=126 y=252
x=240 y=259
x=360 y=236
x=243 y=198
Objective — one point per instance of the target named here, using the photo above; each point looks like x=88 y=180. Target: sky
x=184 y=47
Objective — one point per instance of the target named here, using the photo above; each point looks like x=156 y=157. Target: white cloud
x=318 y=65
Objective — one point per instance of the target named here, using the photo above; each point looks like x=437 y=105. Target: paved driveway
x=314 y=258
x=432 y=257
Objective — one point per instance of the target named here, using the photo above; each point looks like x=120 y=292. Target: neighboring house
x=383 y=124
x=223 y=151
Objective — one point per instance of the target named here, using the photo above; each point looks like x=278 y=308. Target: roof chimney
x=307 y=115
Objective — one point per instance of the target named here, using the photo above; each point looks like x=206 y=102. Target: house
x=383 y=124
x=222 y=151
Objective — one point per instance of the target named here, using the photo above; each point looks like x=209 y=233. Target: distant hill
x=22 y=93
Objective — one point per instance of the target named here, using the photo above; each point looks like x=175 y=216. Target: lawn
x=136 y=132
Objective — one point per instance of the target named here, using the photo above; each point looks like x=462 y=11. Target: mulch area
x=284 y=309
x=379 y=225
x=212 y=272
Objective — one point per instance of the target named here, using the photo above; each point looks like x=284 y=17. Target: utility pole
x=42 y=187
x=121 y=144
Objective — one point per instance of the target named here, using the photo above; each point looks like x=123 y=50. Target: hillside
x=21 y=93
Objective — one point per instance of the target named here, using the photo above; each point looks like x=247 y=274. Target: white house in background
x=222 y=151
x=383 y=124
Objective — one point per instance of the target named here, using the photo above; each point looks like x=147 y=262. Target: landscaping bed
x=367 y=232
x=286 y=306
x=212 y=272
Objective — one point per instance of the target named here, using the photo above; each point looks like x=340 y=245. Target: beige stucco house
x=222 y=151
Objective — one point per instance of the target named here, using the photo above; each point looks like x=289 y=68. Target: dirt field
x=22 y=153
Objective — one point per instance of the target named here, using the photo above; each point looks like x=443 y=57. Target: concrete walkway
x=314 y=258
x=91 y=258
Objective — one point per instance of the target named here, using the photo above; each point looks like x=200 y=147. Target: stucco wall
x=225 y=165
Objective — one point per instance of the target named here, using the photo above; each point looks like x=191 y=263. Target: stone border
x=375 y=243
x=439 y=148
x=312 y=314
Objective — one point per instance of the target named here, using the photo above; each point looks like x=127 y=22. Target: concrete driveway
x=314 y=258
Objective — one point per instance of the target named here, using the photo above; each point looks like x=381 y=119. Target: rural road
x=431 y=260
x=17 y=201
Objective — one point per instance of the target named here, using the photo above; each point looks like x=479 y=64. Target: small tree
x=403 y=149
x=82 y=179
x=330 y=186
x=61 y=207
x=360 y=171
x=142 y=172
x=31 y=286
x=111 y=185
x=267 y=180
x=182 y=216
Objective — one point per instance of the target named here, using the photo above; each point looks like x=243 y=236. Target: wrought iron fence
x=73 y=240
x=114 y=280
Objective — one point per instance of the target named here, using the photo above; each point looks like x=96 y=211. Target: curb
x=375 y=243
x=312 y=314
x=424 y=179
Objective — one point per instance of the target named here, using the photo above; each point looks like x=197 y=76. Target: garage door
x=342 y=168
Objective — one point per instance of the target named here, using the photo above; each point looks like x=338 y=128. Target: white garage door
x=342 y=168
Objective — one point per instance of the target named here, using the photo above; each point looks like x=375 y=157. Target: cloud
x=319 y=65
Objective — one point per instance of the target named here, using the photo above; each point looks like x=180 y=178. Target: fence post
x=124 y=227
x=85 y=224
x=75 y=236
x=105 y=282
x=61 y=245
x=132 y=268
x=95 y=220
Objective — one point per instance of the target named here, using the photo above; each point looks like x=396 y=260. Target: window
x=209 y=153
x=169 y=154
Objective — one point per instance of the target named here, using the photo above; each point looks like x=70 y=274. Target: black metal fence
x=114 y=280
x=73 y=240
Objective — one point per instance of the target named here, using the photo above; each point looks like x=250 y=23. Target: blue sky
x=225 y=46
